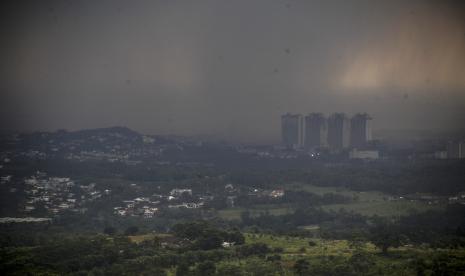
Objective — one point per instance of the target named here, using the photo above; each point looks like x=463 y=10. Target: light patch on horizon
x=425 y=51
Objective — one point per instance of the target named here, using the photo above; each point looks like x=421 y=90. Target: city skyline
x=232 y=137
x=316 y=131
x=223 y=68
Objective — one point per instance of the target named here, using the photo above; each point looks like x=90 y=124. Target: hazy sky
x=230 y=68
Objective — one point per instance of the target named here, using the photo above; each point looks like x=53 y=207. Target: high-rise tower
x=316 y=131
x=338 y=131
x=456 y=150
x=360 y=130
x=292 y=130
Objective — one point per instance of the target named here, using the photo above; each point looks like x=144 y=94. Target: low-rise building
x=179 y=192
x=363 y=154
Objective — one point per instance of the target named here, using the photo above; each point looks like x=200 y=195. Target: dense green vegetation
x=334 y=217
x=196 y=249
x=308 y=241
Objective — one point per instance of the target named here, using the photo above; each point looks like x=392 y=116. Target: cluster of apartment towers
x=336 y=132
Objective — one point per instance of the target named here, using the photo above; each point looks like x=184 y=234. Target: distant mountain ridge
x=125 y=131
x=100 y=139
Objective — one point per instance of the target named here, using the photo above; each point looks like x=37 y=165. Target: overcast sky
x=230 y=68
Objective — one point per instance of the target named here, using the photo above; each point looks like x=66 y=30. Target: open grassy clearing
x=369 y=203
x=380 y=208
x=235 y=213
x=146 y=237
x=384 y=208
x=330 y=253
x=296 y=246
x=366 y=203
x=368 y=196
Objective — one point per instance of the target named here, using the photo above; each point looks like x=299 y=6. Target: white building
x=456 y=150
x=440 y=154
x=179 y=192
x=363 y=154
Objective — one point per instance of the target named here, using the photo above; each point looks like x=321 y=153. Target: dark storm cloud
x=230 y=68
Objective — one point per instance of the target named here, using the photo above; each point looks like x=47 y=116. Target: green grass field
x=295 y=246
x=368 y=196
x=330 y=253
x=366 y=203
x=146 y=237
x=384 y=208
x=397 y=262
x=235 y=213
